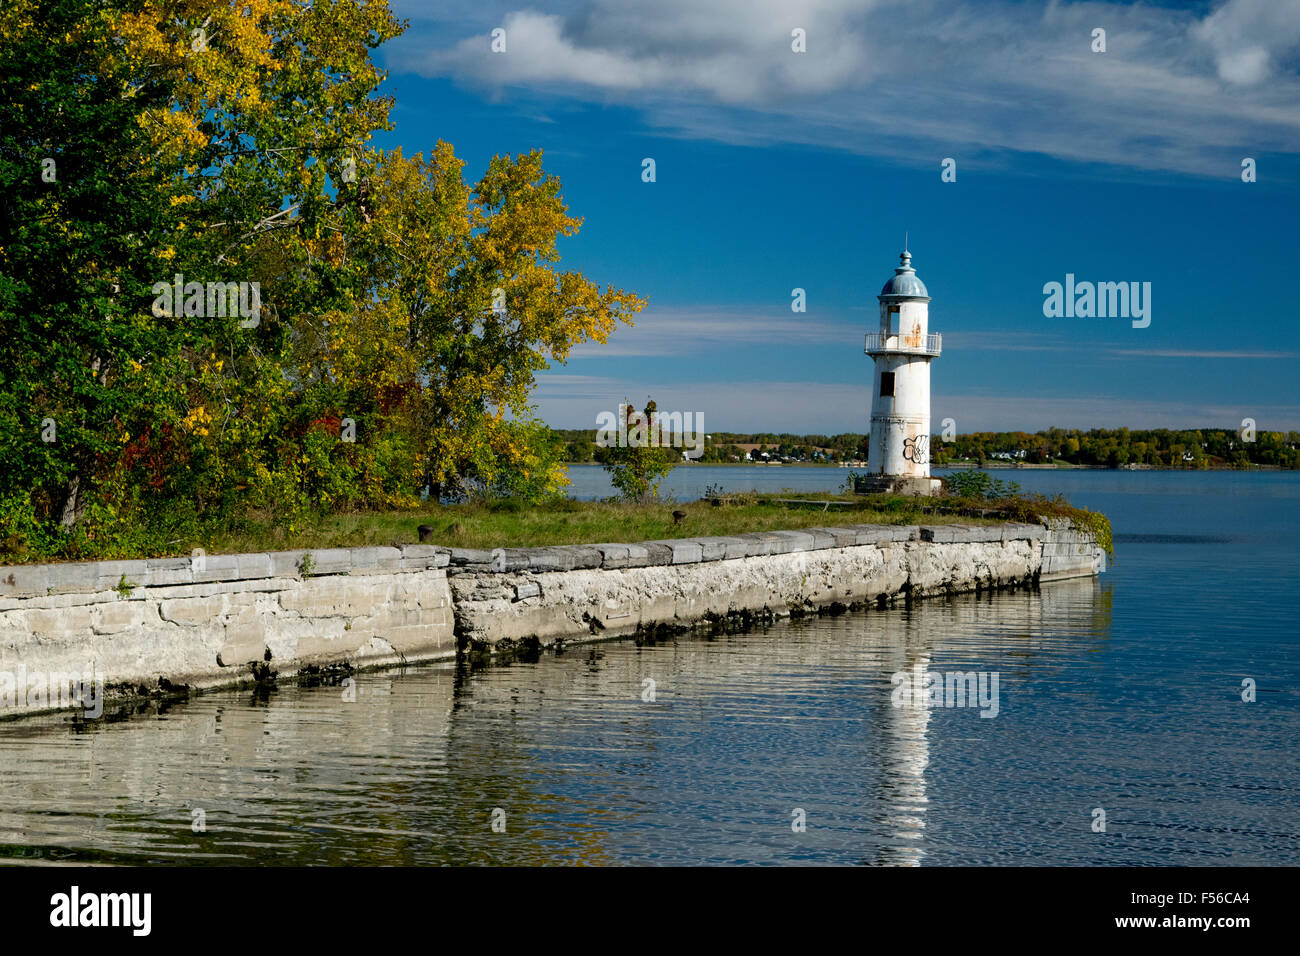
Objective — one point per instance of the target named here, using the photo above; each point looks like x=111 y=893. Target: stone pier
x=182 y=625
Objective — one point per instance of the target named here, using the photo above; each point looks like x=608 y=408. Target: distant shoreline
x=957 y=466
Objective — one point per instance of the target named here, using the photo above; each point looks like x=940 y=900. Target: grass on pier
x=513 y=525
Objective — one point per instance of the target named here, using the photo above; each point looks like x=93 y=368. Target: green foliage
x=535 y=473
x=637 y=469
x=247 y=158
x=980 y=484
x=1096 y=524
x=1098 y=447
x=979 y=492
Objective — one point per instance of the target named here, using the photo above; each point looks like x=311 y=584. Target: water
x=1122 y=694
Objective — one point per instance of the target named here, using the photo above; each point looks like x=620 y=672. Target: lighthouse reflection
x=902 y=790
x=1019 y=629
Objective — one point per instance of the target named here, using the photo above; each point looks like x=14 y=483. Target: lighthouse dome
x=904 y=283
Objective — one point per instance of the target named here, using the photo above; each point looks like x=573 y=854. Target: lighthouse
x=899 y=457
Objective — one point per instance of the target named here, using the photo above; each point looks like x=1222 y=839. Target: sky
x=777 y=170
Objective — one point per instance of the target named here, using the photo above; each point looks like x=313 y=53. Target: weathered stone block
x=162 y=572
x=68 y=623
x=1023 y=532
x=242 y=644
x=422 y=638
x=109 y=574
x=584 y=556
x=639 y=556
x=192 y=611
x=733 y=546
x=550 y=559
x=842 y=537
x=712 y=549
x=758 y=544
x=331 y=561
x=122 y=616
x=421 y=556
x=961 y=534
x=681 y=550
x=24 y=581
x=511 y=559
x=286 y=564
x=657 y=553
x=253 y=566
x=822 y=539
x=376 y=559
x=613 y=555
x=472 y=558
x=879 y=534
x=67 y=578
x=332 y=596
x=794 y=541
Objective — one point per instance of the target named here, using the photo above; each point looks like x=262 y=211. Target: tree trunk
x=72 y=504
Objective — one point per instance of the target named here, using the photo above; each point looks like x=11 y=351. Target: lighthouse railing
x=878 y=342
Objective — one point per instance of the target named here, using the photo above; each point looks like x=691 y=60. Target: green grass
x=509 y=524
x=513 y=525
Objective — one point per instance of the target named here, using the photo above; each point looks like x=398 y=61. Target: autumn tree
x=484 y=306
x=401 y=313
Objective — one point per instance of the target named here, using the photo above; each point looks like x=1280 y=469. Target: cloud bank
x=921 y=79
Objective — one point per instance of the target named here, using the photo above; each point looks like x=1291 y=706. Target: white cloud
x=1246 y=35
x=688 y=331
x=685 y=331
x=925 y=77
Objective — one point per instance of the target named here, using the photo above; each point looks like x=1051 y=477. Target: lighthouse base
x=896 y=485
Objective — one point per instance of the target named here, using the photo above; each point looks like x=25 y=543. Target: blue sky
x=778 y=170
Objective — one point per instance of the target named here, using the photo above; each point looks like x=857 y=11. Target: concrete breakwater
x=177 y=625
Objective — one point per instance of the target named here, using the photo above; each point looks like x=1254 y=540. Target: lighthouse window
x=887 y=384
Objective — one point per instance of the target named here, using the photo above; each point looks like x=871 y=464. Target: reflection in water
x=907 y=754
x=1123 y=694
x=743 y=728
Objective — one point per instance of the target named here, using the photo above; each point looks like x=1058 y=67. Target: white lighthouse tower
x=899 y=456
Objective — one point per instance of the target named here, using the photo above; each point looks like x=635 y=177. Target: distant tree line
x=1097 y=447
x=1116 y=447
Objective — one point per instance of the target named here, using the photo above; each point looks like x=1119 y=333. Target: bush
x=980 y=484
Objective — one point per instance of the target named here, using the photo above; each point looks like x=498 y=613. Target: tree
x=473 y=272
x=401 y=313
x=83 y=365
x=637 y=468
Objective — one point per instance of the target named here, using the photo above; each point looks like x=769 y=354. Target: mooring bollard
x=426 y=531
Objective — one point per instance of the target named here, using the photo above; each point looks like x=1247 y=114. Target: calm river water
x=1123 y=694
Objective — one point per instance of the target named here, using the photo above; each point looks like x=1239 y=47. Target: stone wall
x=182 y=624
